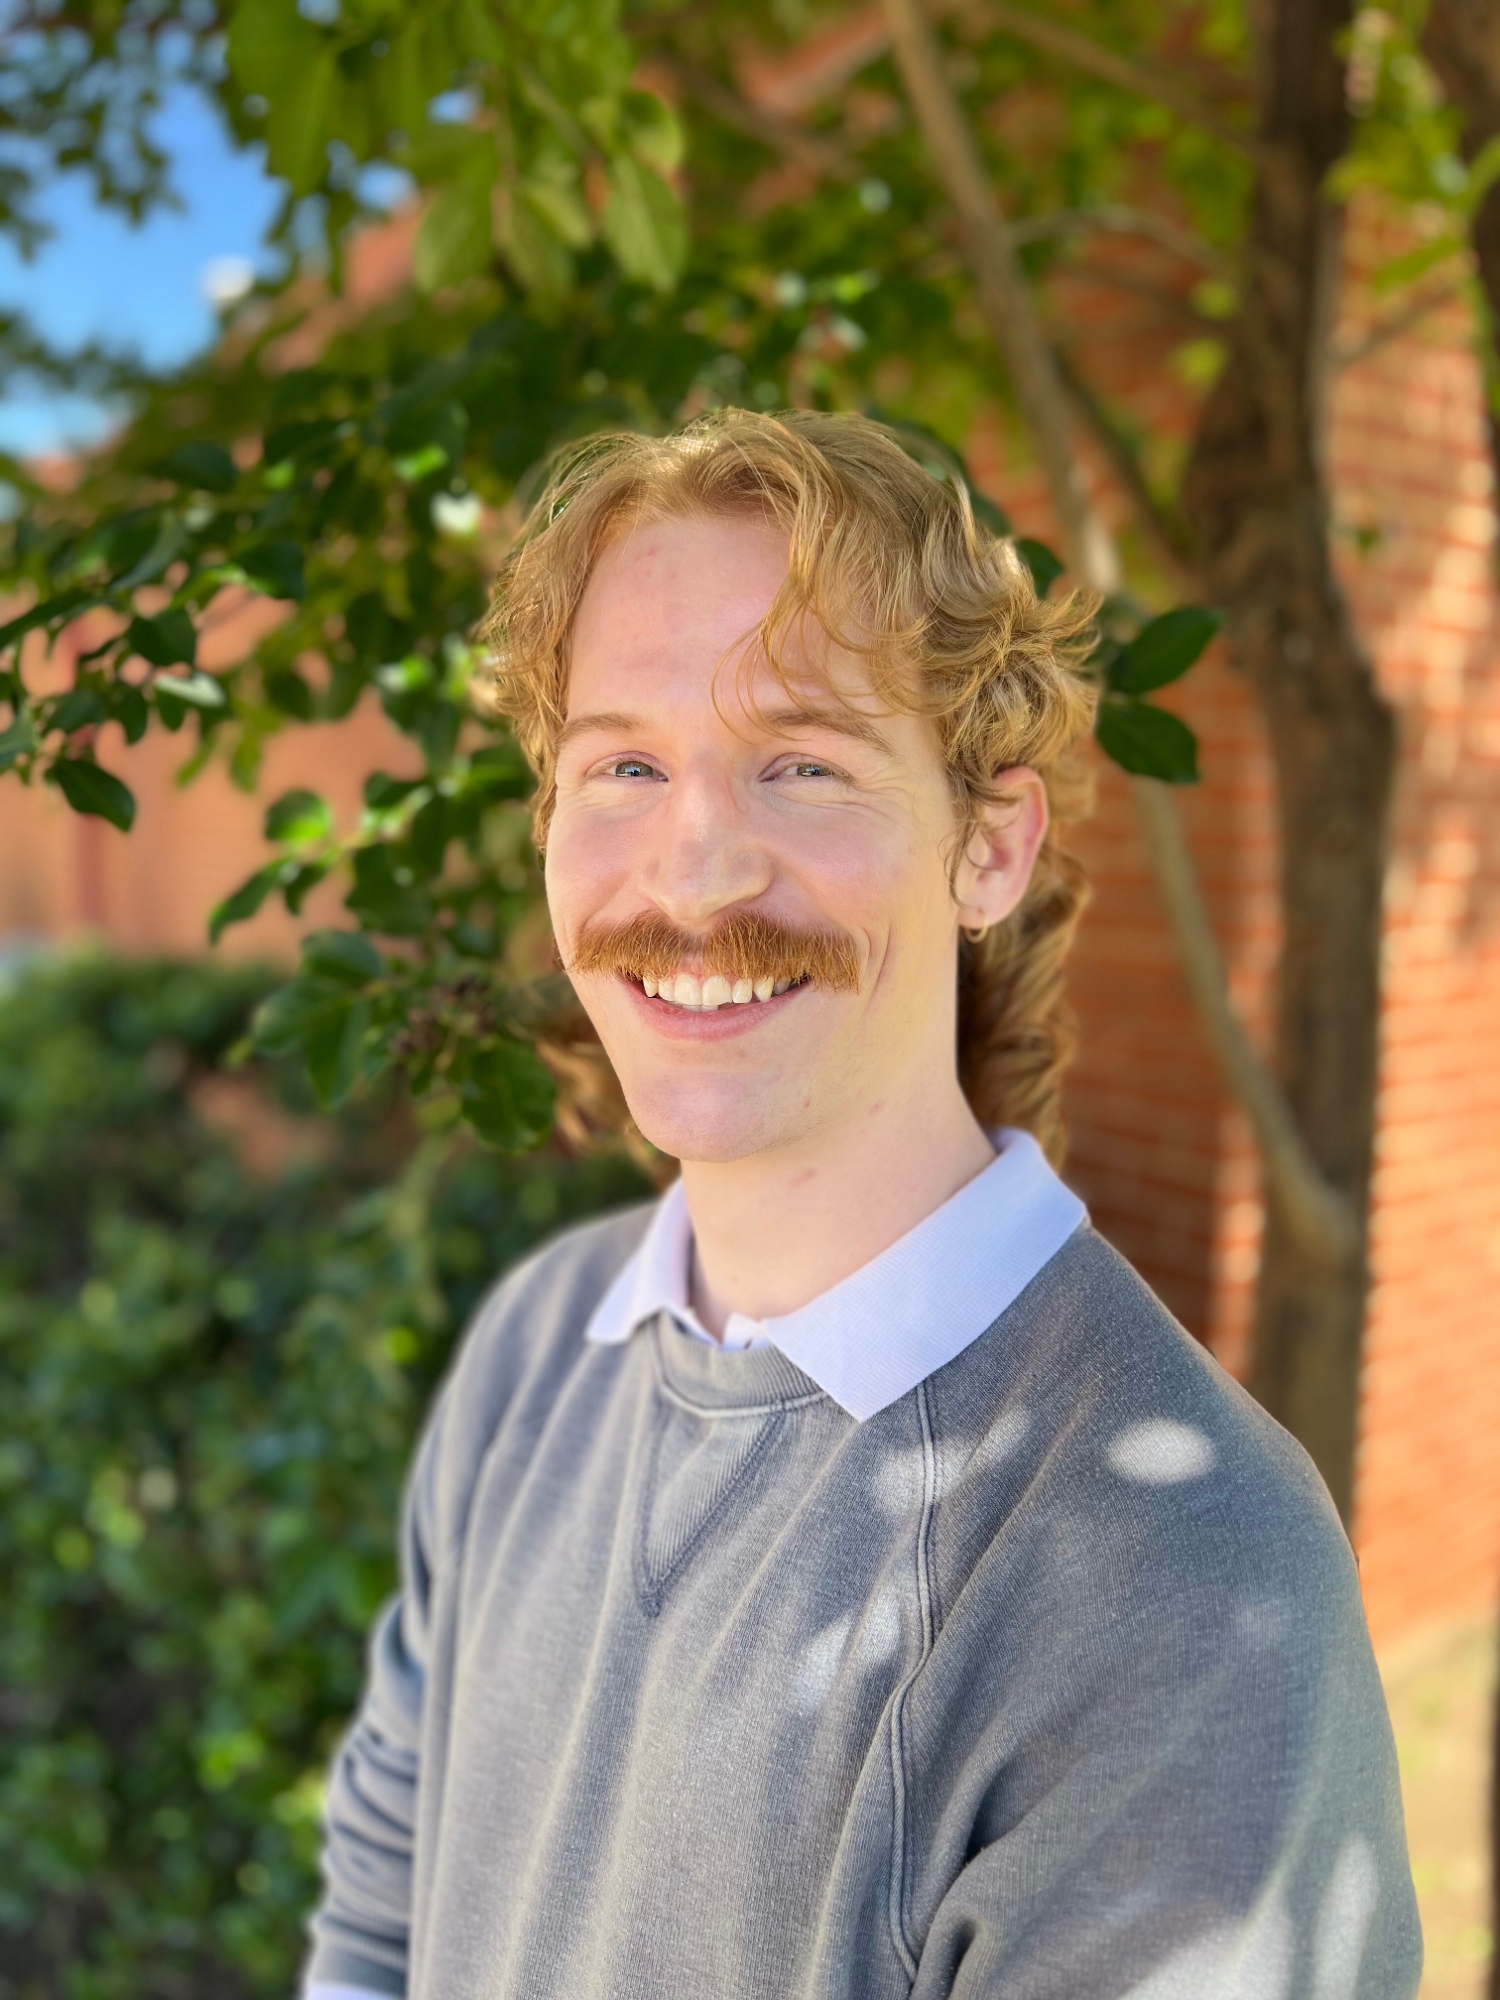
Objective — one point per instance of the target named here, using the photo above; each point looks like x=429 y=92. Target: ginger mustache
x=745 y=957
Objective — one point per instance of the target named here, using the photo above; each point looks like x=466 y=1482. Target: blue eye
x=632 y=767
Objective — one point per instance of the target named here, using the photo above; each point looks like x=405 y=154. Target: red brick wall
x=1411 y=463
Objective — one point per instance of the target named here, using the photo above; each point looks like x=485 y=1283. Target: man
x=844 y=1580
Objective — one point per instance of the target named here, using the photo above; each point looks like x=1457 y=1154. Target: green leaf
x=333 y=1051
x=453 y=240
x=293 y=65
x=384 y=896
x=653 y=130
x=418 y=465
x=76 y=709
x=539 y=260
x=200 y=464
x=301 y=882
x=274 y=567
x=1163 y=651
x=344 y=956
x=18 y=739
x=382 y=791
x=168 y=542
x=298 y=816
x=1045 y=567
x=644 y=225
x=284 y=688
x=502 y=764
x=166 y=640
x=1146 y=741
x=560 y=208
x=507 y=1095
x=176 y=695
x=128 y=706
x=432 y=827
x=308 y=439
x=326 y=1022
x=89 y=788
x=242 y=903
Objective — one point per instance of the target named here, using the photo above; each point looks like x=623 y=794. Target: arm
x=360 y=1929
x=1215 y=1815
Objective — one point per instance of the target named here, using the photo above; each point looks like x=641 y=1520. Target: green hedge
x=220 y=1319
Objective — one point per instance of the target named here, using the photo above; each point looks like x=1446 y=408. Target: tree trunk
x=1259 y=508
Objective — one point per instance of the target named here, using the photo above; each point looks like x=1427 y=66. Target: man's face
x=675 y=816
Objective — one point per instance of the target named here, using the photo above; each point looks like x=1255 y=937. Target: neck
x=774 y=1231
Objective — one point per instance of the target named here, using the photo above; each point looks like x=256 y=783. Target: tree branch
x=1094 y=59
x=1167 y=536
x=1168 y=302
x=1121 y=220
x=1309 y=1206
x=1004 y=296
x=1374 y=337
x=811 y=149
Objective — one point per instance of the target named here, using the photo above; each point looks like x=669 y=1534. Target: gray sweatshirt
x=1048 y=1682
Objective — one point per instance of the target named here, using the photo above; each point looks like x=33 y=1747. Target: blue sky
x=143 y=289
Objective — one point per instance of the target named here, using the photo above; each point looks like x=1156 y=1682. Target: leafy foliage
x=220 y=1318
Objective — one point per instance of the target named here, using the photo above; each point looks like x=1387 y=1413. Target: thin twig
x=1004 y=296
x=1095 y=59
x=1345 y=354
x=1167 y=536
x=1165 y=301
x=811 y=149
x=1312 y=1209
x=1120 y=220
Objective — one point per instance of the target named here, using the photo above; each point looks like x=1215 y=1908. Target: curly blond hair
x=890 y=562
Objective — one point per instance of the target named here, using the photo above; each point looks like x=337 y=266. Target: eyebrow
x=611 y=718
x=838 y=721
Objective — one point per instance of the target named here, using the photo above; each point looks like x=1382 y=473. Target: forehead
x=672 y=602
x=669 y=601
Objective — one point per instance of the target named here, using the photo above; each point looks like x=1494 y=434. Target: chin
x=712 y=1121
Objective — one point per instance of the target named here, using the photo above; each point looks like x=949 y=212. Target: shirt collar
x=874 y=1336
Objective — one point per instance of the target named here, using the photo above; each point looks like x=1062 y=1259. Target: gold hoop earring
x=975 y=933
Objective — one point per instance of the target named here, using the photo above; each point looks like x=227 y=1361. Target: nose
x=707 y=857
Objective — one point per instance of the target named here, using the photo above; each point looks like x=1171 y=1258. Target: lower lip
x=715 y=1024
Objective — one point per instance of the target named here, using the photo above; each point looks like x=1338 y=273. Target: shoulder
x=521 y=1343
x=1151 y=1674
x=1088 y=1417
x=551 y=1293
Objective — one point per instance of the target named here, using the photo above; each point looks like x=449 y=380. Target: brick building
x=1160 y=1154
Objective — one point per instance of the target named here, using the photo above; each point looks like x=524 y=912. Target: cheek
x=890 y=881
x=587 y=859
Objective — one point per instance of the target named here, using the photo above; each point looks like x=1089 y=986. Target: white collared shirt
x=876 y=1334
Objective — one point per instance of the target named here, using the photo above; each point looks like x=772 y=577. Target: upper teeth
x=685 y=989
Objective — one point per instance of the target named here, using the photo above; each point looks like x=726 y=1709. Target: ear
x=996 y=868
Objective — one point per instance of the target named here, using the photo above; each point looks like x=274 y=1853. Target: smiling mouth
x=696 y=995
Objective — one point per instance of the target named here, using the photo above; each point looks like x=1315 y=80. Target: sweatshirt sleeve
x=1202 y=1804
x=520 y=1343
x=360 y=1929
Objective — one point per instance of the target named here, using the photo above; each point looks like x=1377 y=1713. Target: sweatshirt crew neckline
x=743 y=1382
